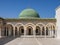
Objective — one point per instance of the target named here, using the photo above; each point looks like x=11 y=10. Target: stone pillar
x=45 y=32
x=55 y=32
x=34 y=33
x=41 y=31
x=0 y=32
x=49 y=32
x=52 y=34
x=18 y=30
x=25 y=32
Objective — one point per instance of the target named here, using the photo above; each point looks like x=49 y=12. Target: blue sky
x=12 y=8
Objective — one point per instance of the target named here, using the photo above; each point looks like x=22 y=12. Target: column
x=41 y=31
x=55 y=31
x=34 y=33
x=52 y=31
x=25 y=32
x=48 y=32
x=0 y=32
x=18 y=30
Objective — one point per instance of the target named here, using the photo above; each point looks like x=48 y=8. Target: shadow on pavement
x=6 y=40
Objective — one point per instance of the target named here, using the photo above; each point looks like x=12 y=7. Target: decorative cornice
x=40 y=19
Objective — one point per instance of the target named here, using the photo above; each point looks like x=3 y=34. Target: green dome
x=29 y=13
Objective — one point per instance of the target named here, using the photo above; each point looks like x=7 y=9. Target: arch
x=43 y=31
x=21 y=30
x=30 y=24
x=8 y=31
x=10 y=24
x=19 y=24
x=51 y=29
x=29 y=30
x=40 y=24
x=50 y=24
x=38 y=30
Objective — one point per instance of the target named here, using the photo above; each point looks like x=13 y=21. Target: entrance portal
x=21 y=30
x=29 y=30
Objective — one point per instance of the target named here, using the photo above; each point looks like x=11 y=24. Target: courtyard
x=29 y=41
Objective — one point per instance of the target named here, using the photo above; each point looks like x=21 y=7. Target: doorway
x=29 y=30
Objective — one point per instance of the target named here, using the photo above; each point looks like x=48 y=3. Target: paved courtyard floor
x=29 y=41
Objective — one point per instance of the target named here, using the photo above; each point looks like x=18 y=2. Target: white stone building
x=30 y=24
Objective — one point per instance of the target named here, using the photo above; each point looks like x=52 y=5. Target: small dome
x=29 y=13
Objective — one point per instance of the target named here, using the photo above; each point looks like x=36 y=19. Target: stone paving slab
x=28 y=41
x=34 y=41
x=23 y=41
x=14 y=42
x=49 y=41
